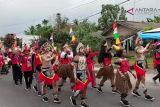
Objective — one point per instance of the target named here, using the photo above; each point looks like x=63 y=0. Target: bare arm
x=47 y=59
x=141 y=51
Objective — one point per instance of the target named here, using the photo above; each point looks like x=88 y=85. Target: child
x=123 y=83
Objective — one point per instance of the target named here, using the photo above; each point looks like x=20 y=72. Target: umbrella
x=151 y=34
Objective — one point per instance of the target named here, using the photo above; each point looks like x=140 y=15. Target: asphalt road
x=17 y=96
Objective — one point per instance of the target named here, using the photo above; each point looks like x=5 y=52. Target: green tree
x=84 y=32
x=61 y=29
x=156 y=19
x=43 y=30
x=109 y=13
x=45 y=22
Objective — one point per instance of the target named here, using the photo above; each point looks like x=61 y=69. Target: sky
x=17 y=15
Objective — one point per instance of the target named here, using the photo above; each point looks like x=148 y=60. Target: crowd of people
x=51 y=68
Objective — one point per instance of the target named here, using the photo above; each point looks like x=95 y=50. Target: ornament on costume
x=46 y=47
x=117 y=45
x=72 y=35
x=88 y=48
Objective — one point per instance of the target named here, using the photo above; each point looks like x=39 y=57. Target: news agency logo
x=134 y=11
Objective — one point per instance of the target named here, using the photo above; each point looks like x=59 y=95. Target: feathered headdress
x=46 y=47
x=80 y=45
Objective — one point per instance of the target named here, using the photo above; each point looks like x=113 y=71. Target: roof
x=154 y=30
x=133 y=26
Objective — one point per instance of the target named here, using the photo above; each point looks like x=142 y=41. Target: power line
x=100 y=12
x=76 y=7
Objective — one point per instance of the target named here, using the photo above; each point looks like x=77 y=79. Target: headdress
x=80 y=45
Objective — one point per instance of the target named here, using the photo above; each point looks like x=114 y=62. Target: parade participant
x=66 y=68
x=90 y=65
x=107 y=71
x=27 y=67
x=56 y=60
x=36 y=65
x=157 y=62
x=1 y=56
x=5 y=68
x=140 y=68
x=123 y=83
x=47 y=76
x=81 y=75
x=16 y=69
x=9 y=54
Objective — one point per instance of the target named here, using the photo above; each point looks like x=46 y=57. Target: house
x=128 y=32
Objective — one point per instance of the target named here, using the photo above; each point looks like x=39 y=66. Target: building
x=128 y=32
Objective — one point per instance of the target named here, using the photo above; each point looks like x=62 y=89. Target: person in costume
x=16 y=67
x=47 y=76
x=140 y=68
x=5 y=67
x=107 y=71
x=81 y=75
x=66 y=68
x=123 y=83
x=157 y=61
x=90 y=64
x=36 y=64
x=1 y=57
x=27 y=67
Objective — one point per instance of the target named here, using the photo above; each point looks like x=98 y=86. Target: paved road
x=17 y=96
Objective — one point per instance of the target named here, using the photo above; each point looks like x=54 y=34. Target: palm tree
x=76 y=22
x=38 y=26
x=45 y=22
x=32 y=30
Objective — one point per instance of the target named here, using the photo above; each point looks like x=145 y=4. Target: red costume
x=1 y=60
x=37 y=60
x=90 y=66
x=157 y=56
x=107 y=62
x=124 y=66
x=26 y=63
x=139 y=70
x=47 y=75
x=66 y=57
x=48 y=80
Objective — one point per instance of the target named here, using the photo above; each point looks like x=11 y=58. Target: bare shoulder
x=76 y=58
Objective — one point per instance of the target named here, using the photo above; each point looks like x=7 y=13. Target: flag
x=116 y=36
x=72 y=35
